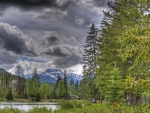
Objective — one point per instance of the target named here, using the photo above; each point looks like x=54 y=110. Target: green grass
x=78 y=106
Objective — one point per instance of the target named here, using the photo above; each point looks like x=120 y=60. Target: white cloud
x=95 y=6
x=78 y=69
x=79 y=21
x=28 y=67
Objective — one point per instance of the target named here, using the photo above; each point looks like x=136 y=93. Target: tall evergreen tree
x=121 y=24
x=90 y=53
x=56 y=86
x=65 y=84
x=77 y=86
x=72 y=90
x=20 y=83
x=89 y=59
x=35 y=74
x=60 y=91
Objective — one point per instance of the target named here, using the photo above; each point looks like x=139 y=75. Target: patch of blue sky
x=25 y=58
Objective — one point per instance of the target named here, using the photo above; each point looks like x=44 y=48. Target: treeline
x=18 y=87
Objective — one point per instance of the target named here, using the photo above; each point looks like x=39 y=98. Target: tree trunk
x=101 y=98
x=135 y=99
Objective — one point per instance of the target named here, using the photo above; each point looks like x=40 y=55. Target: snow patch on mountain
x=50 y=75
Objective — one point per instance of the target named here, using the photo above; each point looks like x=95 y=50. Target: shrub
x=11 y=110
x=66 y=104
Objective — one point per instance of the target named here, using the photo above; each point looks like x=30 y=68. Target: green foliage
x=67 y=104
x=32 y=88
x=60 y=90
x=76 y=108
x=71 y=88
x=28 y=86
x=90 y=53
x=89 y=59
x=45 y=90
x=125 y=40
x=56 y=86
x=9 y=95
x=11 y=110
x=83 y=90
x=115 y=87
x=65 y=85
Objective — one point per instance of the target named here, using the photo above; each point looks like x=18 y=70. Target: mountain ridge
x=50 y=75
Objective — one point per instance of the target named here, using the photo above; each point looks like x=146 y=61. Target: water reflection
x=28 y=105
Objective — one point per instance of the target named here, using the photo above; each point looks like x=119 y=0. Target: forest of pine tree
x=15 y=86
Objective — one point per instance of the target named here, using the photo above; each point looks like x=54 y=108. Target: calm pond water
x=28 y=105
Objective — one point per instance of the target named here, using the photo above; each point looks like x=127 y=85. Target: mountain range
x=50 y=75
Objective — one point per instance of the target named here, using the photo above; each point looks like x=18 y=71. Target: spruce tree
x=56 y=86
x=20 y=83
x=65 y=84
x=77 y=86
x=122 y=30
x=90 y=53
x=89 y=59
x=35 y=75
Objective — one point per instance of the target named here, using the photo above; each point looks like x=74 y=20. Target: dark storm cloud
x=65 y=55
x=55 y=51
x=52 y=39
x=12 y=39
x=65 y=50
x=66 y=62
x=28 y=3
x=43 y=9
x=33 y=4
x=12 y=43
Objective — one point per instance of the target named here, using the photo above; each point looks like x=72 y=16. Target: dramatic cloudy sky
x=46 y=33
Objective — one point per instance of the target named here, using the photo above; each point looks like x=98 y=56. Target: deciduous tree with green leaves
x=45 y=90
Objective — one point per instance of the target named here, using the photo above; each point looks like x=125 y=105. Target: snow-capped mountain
x=50 y=75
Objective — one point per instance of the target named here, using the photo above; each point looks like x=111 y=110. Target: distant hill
x=2 y=71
